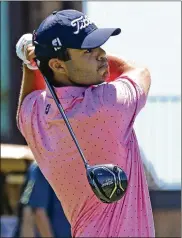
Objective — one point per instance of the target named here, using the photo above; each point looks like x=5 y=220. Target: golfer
x=101 y=95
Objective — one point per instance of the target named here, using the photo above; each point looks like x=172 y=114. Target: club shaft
x=61 y=110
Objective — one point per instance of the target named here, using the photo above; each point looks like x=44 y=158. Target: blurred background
x=151 y=35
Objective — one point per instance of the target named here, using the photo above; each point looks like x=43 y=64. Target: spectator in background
x=42 y=212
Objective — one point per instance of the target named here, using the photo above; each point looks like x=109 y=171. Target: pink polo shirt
x=102 y=118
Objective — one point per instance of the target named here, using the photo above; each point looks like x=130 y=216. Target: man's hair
x=44 y=63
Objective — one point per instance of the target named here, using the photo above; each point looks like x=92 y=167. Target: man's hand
x=30 y=55
x=25 y=51
x=30 y=52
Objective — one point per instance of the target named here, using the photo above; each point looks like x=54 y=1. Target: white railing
x=158 y=128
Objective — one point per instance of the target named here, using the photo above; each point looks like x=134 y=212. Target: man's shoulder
x=37 y=96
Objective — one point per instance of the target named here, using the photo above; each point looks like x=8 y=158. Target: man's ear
x=57 y=65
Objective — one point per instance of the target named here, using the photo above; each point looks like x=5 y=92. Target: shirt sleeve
x=26 y=109
x=40 y=194
x=124 y=99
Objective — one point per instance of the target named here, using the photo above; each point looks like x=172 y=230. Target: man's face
x=87 y=67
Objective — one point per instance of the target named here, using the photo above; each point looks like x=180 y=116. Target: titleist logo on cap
x=80 y=23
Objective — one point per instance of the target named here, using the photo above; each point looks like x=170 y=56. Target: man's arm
x=28 y=84
x=32 y=79
x=125 y=94
x=42 y=222
x=27 y=229
x=140 y=76
x=39 y=200
x=119 y=67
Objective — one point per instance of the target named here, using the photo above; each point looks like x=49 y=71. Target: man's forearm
x=29 y=84
x=27 y=228
x=43 y=223
x=139 y=74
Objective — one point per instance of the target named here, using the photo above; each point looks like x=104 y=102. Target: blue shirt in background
x=39 y=194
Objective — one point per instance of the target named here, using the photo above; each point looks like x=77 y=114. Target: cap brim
x=99 y=37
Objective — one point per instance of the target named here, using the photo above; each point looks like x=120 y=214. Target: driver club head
x=108 y=182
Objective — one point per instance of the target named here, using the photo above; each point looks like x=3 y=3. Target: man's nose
x=101 y=54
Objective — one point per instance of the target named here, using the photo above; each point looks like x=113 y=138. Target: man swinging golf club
x=80 y=126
